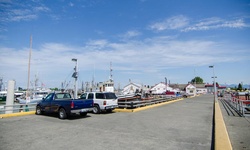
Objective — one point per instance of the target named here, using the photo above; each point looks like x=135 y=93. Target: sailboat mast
x=28 y=84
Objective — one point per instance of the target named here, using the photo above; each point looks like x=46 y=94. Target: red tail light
x=72 y=104
x=104 y=102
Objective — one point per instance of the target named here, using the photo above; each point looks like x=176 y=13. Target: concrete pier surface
x=184 y=124
x=238 y=128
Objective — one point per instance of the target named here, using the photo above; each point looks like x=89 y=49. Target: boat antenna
x=111 y=75
x=28 y=83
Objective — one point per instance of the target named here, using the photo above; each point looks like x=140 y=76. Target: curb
x=222 y=140
x=145 y=107
x=17 y=114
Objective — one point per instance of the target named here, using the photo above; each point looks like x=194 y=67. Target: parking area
x=185 y=124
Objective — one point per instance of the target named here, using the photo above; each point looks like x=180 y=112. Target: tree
x=20 y=89
x=54 y=89
x=239 y=87
x=198 y=80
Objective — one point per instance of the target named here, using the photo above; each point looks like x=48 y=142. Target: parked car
x=103 y=101
x=186 y=95
x=64 y=105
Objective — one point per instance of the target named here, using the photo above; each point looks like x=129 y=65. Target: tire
x=39 y=110
x=83 y=114
x=62 y=113
x=96 y=109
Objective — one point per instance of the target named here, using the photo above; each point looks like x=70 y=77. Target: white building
x=190 y=89
x=201 y=89
x=131 y=88
x=161 y=88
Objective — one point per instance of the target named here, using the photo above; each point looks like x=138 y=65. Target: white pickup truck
x=103 y=101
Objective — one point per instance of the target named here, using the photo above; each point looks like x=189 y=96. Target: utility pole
x=215 y=93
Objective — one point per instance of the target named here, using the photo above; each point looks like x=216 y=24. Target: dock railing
x=242 y=106
x=131 y=102
x=4 y=109
x=124 y=101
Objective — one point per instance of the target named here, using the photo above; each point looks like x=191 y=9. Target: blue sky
x=146 y=40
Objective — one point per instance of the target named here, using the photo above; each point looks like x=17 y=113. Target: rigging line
x=71 y=72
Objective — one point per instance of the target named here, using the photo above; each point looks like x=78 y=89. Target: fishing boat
x=108 y=86
x=34 y=97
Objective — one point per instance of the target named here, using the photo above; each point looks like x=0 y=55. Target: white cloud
x=97 y=44
x=184 y=24
x=41 y=9
x=52 y=61
x=20 y=14
x=176 y=22
x=215 y=23
x=131 y=33
x=71 y=4
x=234 y=24
x=23 y=13
x=23 y=17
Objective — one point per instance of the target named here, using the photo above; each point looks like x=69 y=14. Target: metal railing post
x=131 y=104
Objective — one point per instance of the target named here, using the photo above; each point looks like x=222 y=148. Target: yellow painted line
x=222 y=140
x=17 y=114
x=145 y=107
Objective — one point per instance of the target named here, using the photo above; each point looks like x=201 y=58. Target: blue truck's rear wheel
x=62 y=113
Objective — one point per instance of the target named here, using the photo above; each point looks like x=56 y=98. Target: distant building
x=200 y=88
x=191 y=89
x=131 y=88
x=161 y=88
x=210 y=88
x=180 y=87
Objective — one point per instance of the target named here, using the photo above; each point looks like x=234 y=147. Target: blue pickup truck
x=64 y=105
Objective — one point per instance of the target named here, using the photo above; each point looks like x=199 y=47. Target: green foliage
x=240 y=87
x=197 y=80
x=20 y=89
x=54 y=89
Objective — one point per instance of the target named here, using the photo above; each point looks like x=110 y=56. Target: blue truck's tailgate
x=82 y=103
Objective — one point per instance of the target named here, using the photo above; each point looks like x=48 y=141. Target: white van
x=103 y=101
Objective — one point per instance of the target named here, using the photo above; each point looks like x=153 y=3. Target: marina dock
x=190 y=123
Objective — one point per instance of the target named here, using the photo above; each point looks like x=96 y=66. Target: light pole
x=75 y=75
x=214 y=82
